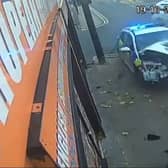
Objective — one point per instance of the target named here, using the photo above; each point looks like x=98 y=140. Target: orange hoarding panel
x=67 y=152
x=57 y=133
x=49 y=117
x=22 y=42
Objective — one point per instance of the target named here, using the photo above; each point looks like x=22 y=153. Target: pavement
x=131 y=111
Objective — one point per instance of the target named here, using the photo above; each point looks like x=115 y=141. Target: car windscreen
x=147 y=39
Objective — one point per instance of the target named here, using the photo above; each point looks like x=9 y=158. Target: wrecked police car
x=144 y=49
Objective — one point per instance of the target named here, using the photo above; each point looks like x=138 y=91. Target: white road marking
x=100 y=16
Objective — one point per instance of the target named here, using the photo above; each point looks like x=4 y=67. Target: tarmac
x=131 y=111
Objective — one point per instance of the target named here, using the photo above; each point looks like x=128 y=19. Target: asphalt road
x=119 y=15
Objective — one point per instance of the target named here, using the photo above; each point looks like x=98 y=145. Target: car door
x=125 y=42
x=129 y=55
x=121 y=43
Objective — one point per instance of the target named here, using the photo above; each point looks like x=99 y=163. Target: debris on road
x=131 y=102
x=124 y=133
x=105 y=92
x=98 y=87
x=150 y=100
x=116 y=93
x=106 y=106
x=123 y=153
x=95 y=60
x=109 y=81
x=126 y=99
x=126 y=93
x=109 y=91
x=147 y=95
x=152 y=137
x=122 y=103
x=166 y=151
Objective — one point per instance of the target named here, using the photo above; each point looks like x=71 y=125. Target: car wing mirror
x=125 y=49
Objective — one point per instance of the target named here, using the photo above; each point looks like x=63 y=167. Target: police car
x=144 y=49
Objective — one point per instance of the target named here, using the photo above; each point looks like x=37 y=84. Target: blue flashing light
x=140 y=27
x=137 y=27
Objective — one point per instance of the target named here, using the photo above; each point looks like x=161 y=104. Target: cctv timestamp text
x=153 y=9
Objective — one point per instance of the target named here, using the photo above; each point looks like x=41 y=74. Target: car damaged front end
x=154 y=72
x=154 y=66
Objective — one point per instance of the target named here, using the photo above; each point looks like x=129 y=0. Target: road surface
x=130 y=111
x=119 y=15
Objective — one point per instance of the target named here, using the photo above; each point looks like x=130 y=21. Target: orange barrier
x=36 y=122
x=57 y=130
x=24 y=29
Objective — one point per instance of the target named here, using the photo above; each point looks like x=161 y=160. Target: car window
x=122 y=40
x=129 y=42
x=126 y=40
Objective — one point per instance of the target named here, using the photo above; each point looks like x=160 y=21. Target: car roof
x=162 y=3
x=150 y=30
x=146 y=28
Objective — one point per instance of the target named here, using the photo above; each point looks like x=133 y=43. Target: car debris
x=105 y=92
x=126 y=99
x=98 y=87
x=152 y=137
x=147 y=95
x=166 y=151
x=105 y=106
x=125 y=133
x=123 y=153
x=155 y=65
x=119 y=98
x=150 y=100
x=122 y=103
x=126 y=93
x=95 y=60
x=131 y=102
x=109 y=81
